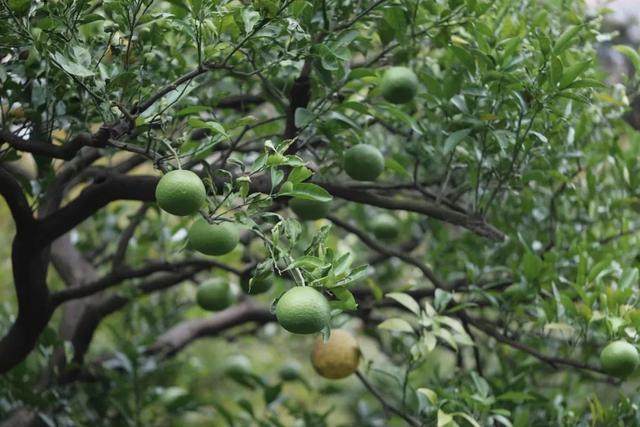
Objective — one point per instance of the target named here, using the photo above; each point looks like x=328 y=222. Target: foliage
x=512 y=176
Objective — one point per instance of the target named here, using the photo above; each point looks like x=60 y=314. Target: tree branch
x=433 y=210
x=385 y=250
x=386 y=405
x=12 y=193
x=181 y=335
x=121 y=274
x=550 y=360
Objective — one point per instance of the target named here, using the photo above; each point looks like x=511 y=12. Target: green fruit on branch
x=256 y=285
x=619 y=358
x=399 y=85
x=309 y=210
x=338 y=357
x=214 y=295
x=213 y=239
x=363 y=162
x=303 y=310
x=238 y=366
x=180 y=192
x=385 y=227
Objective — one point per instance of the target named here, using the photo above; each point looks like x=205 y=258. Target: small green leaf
x=303 y=117
x=454 y=139
x=308 y=191
x=565 y=39
x=396 y=324
x=630 y=53
x=406 y=300
x=430 y=394
x=299 y=174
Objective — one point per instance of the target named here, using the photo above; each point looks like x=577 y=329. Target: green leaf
x=443 y=418
x=303 y=117
x=405 y=300
x=430 y=394
x=454 y=139
x=194 y=109
x=565 y=39
x=396 y=324
x=299 y=174
x=308 y=191
x=571 y=73
x=630 y=53
x=70 y=66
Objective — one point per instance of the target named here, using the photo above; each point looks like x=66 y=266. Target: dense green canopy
x=509 y=187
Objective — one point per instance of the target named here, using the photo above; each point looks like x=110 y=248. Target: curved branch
x=183 y=334
x=386 y=405
x=96 y=196
x=433 y=210
x=552 y=361
x=11 y=191
x=122 y=274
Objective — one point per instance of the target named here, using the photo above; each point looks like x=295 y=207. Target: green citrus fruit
x=289 y=372
x=399 y=85
x=619 y=358
x=363 y=162
x=385 y=227
x=213 y=239
x=259 y=285
x=338 y=357
x=238 y=366
x=309 y=210
x=214 y=295
x=180 y=192
x=303 y=310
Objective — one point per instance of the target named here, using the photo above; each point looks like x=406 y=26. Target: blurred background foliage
x=513 y=122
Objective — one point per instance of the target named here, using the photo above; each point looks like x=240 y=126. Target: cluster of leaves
x=513 y=126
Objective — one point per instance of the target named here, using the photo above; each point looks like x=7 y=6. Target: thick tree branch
x=121 y=274
x=11 y=191
x=181 y=335
x=96 y=196
x=433 y=210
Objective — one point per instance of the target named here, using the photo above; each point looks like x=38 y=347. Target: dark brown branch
x=96 y=196
x=433 y=210
x=181 y=335
x=122 y=274
x=123 y=243
x=11 y=191
x=65 y=152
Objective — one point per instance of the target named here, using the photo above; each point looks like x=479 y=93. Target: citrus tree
x=434 y=199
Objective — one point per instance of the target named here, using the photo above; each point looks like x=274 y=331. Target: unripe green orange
x=213 y=239
x=309 y=210
x=338 y=357
x=363 y=162
x=289 y=372
x=385 y=227
x=238 y=366
x=399 y=85
x=180 y=192
x=256 y=285
x=214 y=295
x=303 y=310
x=619 y=358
